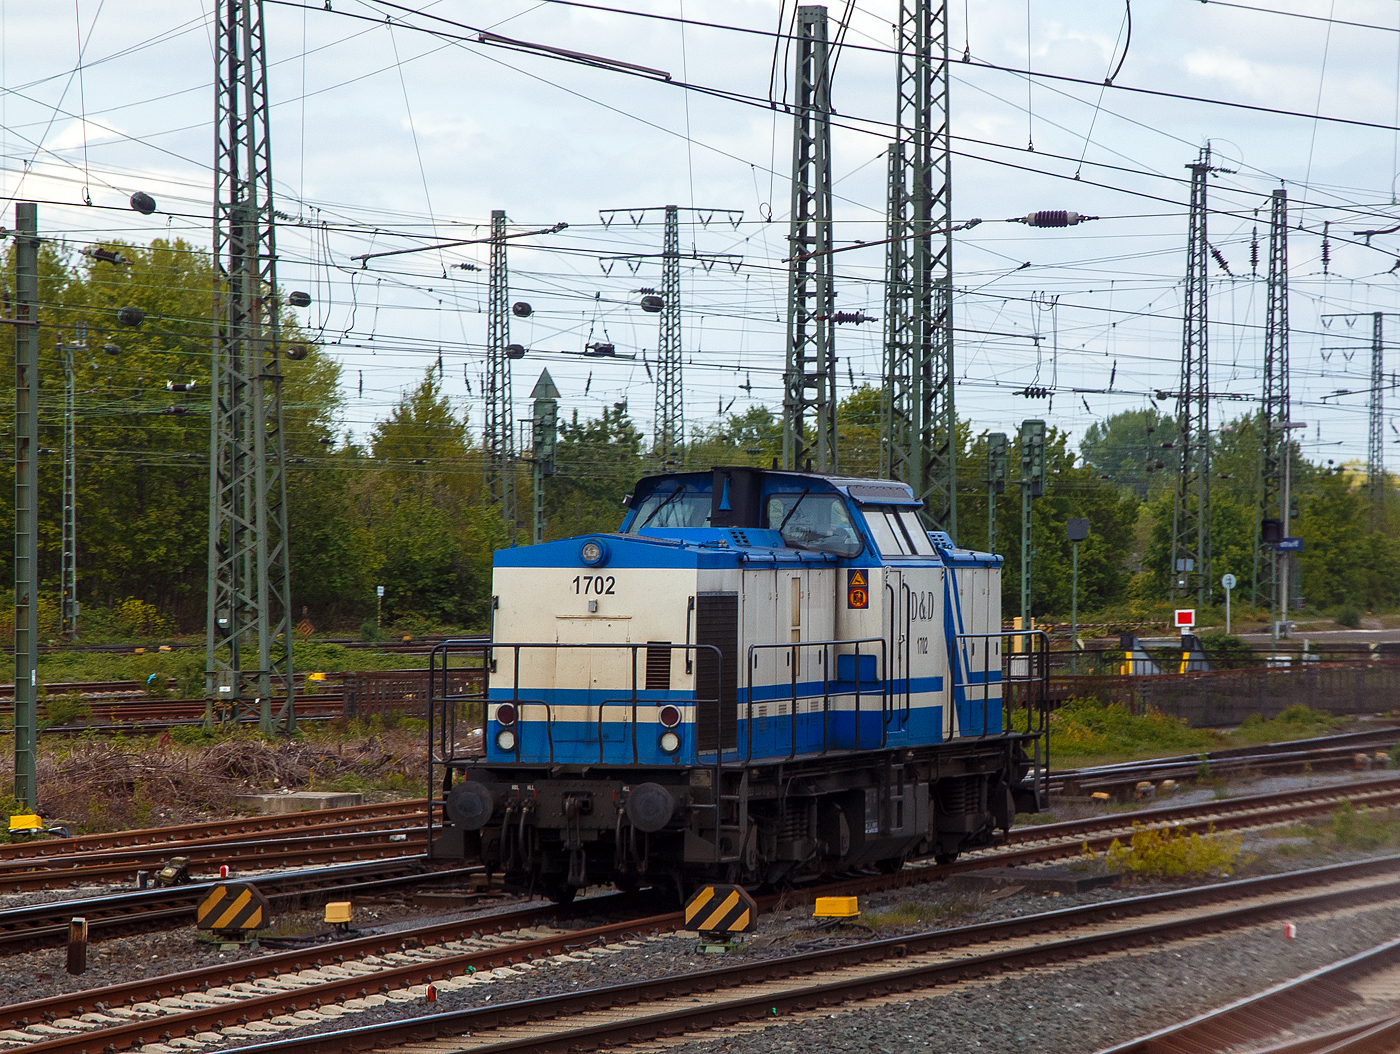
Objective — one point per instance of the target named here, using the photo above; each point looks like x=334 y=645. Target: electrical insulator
x=1220 y=259
x=181 y=386
x=1326 y=247
x=1034 y=392
x=856 y=317
x=110 y=256
x=1054 y=218
x=1254 y=253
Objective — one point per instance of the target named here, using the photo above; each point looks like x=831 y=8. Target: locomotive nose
x=470 y=805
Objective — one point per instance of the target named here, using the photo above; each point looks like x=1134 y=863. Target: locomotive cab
x=762 y=676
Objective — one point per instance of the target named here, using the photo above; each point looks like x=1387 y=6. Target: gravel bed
x=1076 y=1009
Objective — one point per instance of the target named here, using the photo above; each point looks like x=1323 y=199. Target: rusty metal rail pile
x=328 y=983
x=362 y=832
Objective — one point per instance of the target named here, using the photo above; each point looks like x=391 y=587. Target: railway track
x=1320 y=752
x=1024 y=846
x=119 y=914
x=332 y=985
x=326 y=836
x=1287 y=1007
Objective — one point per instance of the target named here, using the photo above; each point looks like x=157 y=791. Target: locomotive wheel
x=560 y=894
x=945 y=858
x=890 y=866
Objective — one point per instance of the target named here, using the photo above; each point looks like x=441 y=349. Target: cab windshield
x=680 y=506
x=818 y=522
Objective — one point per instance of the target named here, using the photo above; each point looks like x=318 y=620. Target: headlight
x=670 y=742
x=593 y=552
x=505 y=713
x=505 y=740
x=669 y=717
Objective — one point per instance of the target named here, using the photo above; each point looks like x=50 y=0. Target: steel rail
x=172 y=837
x=1284 y=1005
x=640 y=1025
x=46 y=925
x=276 y=963
x=264 y=853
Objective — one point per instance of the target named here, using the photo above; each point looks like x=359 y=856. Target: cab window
x=818 y=522
x=677 y=507
x=898 y=531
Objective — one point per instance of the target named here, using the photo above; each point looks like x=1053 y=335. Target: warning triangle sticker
x=857 y=579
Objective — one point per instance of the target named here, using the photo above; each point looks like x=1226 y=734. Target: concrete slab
x=1031 y=879
x=299 y=801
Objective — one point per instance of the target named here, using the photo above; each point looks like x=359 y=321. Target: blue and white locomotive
x=763 y=676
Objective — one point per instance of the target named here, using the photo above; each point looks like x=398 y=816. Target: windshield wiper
x=790 y=511
x=672 y=497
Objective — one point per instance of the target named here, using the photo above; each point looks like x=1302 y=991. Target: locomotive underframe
x=557 y=828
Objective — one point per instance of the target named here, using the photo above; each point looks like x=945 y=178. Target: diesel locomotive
x=762 y=677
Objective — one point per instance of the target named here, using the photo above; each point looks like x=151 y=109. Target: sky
x=385 y=136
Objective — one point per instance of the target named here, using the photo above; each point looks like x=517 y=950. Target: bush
x=136 y=618
x=1349 y=616
x=1226 y=651
x=65 y=710
x=1167 y=853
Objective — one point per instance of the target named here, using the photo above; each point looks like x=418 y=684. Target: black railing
x=794 y=650
x=1023 y=685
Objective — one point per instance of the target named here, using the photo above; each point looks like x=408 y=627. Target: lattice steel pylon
x=920 y=419
x=809 y=389
x=1190 y=552
x=668 y=443
x=248 y=638
x=500 y=419
x=68 y=559
x=1375 y=450
x=1274 y=411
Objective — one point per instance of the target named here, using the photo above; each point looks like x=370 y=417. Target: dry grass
x=106 y=784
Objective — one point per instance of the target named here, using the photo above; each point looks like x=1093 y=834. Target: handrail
x=826 y=646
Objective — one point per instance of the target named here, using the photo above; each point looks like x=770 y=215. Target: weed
x=1296 y=722
x=1086 y=728
x=1348 y=616
x=1369 y=829
x=916 y=913
x=195 y=735
x=1168 y=853
x=65 y=710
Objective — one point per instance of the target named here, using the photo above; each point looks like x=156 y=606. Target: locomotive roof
x=863 y=490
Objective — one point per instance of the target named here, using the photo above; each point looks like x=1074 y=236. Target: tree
x=598 y=462
x=1127 y=447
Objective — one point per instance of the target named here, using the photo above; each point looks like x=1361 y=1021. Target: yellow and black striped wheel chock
x=721 y=911
x=232 y=908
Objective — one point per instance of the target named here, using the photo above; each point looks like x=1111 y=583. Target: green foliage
x=1226 y=651
x=195 y=735
x=1169 y=853
x=915 y=913
x=1362 y=830
x=65 y=710
x=1127 y=446
x=1297 y=722
x=598 y=461
x=1083 y=728
x=1347 y=615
